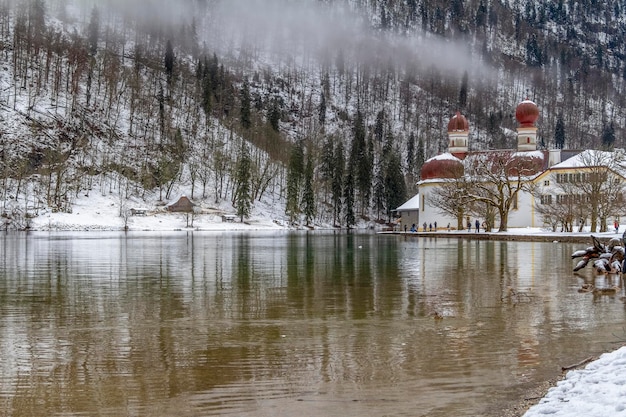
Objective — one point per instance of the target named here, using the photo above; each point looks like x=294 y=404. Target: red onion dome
x=444 y=166
x=458 y=123
x=527 y=113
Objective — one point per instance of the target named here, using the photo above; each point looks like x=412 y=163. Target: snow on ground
x=98 y=212
x=599 y=390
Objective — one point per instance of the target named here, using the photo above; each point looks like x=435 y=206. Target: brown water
x=286 y=324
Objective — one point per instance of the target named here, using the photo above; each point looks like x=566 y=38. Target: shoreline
x=512 y=236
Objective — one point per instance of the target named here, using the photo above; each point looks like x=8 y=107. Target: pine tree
x=327 y=163
x=379 y=127
x=295 y=172
x=533 y=52
x=420 y=158
x=463 y=91
x=245 y=105
x=362 y=174
x=481 y=15
x=608 y=136
x=93 y=31
x=308 y=195
x=337 y=181
x=322 y=110
x=559 y=132
x=395 y=187
x=379 y=189
x=168 y=61
x=348 y=197
x=410 y=154
x=243 y=176
x=273 y=115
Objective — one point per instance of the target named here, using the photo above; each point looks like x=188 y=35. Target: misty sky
x=286 y=29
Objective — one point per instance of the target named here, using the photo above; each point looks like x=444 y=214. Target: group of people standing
x=476 y=225
x=433 y=226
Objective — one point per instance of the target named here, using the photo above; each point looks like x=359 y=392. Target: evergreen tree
x=322 y=109
x=161 y=100
x=608 y=136
x=327 y=163
x=243 y=177
x=295 y=172
x=395 y=187
x=308 y=195
x=379 y=127
x=481 y=15
x=348 y=197
x=410 y=154
x=420 y=158
x=337 y=181
x=559 y=132
x=379 y=189
x=168 y=61
x=362 y=174
x=245 y=105
x=533 y=52
x=93 y=31
x=463 y=92
x=273 y=115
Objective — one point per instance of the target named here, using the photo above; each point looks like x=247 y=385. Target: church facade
x=541 y=167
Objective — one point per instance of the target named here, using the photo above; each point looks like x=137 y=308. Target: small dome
x=458 y=123
x=527 y=113
x=442 y=166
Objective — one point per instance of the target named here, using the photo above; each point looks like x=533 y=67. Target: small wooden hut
x=183 y=205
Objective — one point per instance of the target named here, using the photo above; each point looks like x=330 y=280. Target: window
x=423 y=202
x=546 y=183
x=546 y=199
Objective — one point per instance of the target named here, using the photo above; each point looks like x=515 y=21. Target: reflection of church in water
x=540 y=166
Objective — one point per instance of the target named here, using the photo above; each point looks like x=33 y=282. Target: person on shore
x=430 y=227
x=413 y=229
x=448 y=227
x=469 y=226
x=405 y=228
x=616 y=225
x=424 y=226
x=477 y=224
x=435 y=226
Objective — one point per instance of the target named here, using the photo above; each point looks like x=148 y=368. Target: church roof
x=412 y=204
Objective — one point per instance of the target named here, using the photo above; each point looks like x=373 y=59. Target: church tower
x=458 y=134
x=526 y=114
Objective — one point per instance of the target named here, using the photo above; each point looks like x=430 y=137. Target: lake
x=285 y=324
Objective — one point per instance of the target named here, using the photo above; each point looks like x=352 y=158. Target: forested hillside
x=328 y=106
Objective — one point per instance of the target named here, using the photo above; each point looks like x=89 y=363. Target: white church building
x=440 y=169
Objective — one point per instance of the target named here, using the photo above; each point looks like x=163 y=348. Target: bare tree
x=496 y=179
x=564 y=207
x=450 y=197
x=601 y=181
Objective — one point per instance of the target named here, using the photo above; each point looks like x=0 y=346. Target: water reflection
x=286 y=324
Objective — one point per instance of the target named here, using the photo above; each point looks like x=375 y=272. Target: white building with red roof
x=526 y=163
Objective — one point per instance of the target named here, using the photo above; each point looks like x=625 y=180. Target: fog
x=266 y=31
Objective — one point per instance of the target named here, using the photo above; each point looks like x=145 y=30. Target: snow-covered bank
x=98 y=212
x=598 y=390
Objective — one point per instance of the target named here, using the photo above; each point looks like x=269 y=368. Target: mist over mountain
x=327 y=107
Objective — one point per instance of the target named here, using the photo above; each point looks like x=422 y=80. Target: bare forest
x=329 y=106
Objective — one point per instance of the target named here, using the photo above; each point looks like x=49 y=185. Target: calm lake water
x=285 y=324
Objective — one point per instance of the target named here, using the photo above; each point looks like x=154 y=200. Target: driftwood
x=576 y=365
